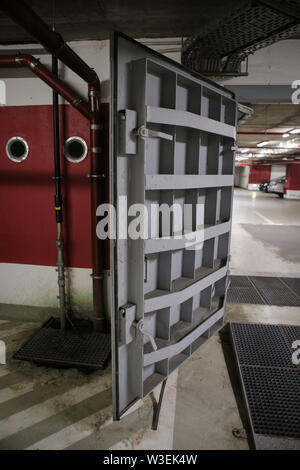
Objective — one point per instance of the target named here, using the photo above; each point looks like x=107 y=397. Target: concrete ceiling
x=266 y=118
x=94 y=19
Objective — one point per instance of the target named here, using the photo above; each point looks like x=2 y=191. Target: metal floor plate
x=264 y=290
x=81 y=349
x=270 y=382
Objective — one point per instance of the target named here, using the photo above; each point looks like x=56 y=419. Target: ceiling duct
x=221 y=47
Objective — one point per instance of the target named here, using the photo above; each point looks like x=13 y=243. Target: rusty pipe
x=26 y=60
x=98 y=177
x=52 y=41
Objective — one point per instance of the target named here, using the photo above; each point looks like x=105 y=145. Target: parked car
x=277 y=186
x=264 y=186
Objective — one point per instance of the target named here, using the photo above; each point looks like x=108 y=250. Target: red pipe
x=25 y=60
x=98 y=178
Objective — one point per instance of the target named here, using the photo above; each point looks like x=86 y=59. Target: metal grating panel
x=87 y=350
x=271 y=382
x=275 y=296
x=264 y=290
x=262 y=282
x=293 y=283
x=243 y=295
x=273 y=397
x=291 y=334
x=261 y=345
x=240 y=281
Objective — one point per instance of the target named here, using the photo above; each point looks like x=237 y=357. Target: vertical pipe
x=98 y=190
x=58 y=203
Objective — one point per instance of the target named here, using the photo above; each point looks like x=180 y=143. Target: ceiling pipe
x=25 y=17
x=52 y=41
x=25 y=60
x=265 y=133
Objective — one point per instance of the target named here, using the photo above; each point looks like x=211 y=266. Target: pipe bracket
x=96 y=176
x=77 y=102
x=94 y=276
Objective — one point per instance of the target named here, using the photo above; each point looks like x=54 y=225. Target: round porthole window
x=75 y=149
x=17 y=149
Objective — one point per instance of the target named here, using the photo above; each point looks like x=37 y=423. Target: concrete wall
x=244 y=176
x=273 y=65
x=277 y=171
x=292 y=184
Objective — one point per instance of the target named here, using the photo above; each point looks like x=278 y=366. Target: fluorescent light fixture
x=295 y=131
x=244 y=150
x=285 y=135
x=261 y=144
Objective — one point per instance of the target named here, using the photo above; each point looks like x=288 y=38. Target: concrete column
x=292 y=185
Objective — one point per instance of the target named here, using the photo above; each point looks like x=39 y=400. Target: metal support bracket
x=157 y=406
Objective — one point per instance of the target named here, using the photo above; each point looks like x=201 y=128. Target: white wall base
x=25 y=284
x=292 y=194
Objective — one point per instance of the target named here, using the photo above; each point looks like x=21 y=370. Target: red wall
x=259 y=174
x=27 y=215
x=292 y=176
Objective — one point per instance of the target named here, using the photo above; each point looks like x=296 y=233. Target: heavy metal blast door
x=173 y=145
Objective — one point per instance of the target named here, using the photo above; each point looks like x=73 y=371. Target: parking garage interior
x=193 y=400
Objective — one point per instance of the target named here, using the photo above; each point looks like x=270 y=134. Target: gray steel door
x=173 y=143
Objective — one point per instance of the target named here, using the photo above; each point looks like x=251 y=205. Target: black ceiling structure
x=220 y=47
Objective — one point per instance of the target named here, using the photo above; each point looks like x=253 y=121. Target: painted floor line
x=37 y=413
x=72 y=434
x=15 y=391
x=269 y=221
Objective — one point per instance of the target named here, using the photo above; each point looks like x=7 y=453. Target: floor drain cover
x=81 y=348
x=271 y=382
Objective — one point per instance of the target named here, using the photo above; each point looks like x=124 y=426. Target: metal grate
x=243 y=295
x=292 y=283
x=271 y=382
x=280 y=297
x=273 y=397
x=291 y=334
x=262 y=282
x=240 y=281
x=81 y=349
x=261 y=345
x=264 y=290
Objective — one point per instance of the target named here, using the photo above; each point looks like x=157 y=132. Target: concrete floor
x=44 y=408
x=270 y=229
